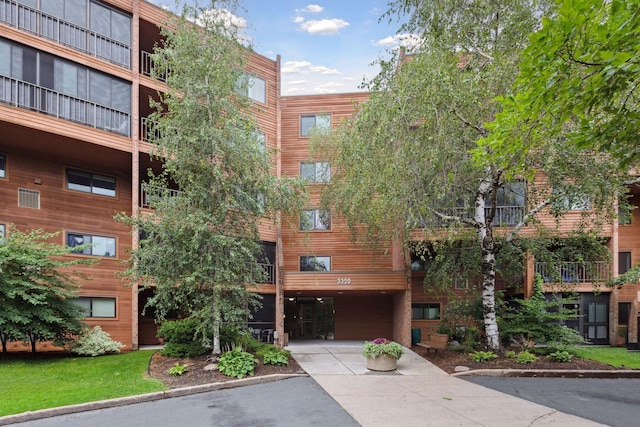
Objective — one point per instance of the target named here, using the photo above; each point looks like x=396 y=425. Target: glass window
x=624 y=311
x=624 y=262
x=5 y=52
x=315 y=263
x=572 y=202
x=91 y=183
x=3 y=166
x=320 y=121
x=317 y=219
x=3 y=230
x=98 y=245
x=316 y=171
x=425 y=311
x=97 y=307
x=257 y=89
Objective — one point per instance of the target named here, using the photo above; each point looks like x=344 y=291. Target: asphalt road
x=292 y=402
x=614 y=402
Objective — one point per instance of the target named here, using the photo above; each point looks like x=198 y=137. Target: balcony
x=43 y=100
x=573 y=272
x=270 y=273
x=148 y=68
x=64 y=33
x=150 y=194
x=506 y=216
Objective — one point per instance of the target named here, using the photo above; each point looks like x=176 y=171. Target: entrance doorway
x=309 y=317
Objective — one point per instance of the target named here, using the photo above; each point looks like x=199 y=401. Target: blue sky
x=326 y=46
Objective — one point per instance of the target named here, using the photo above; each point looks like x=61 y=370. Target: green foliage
x=37 y=289
x=540 y=320
x=178 y=369
x=276 y=356
x=381 y=346
x=614 y=356
x=524 y=357
x=180 y=338
x=59 y=381
x=237 y=363
x=561 y=356
x=95 y=342
x=482 y=356
x=249 y=343
x=510 y=354
x=202 y=249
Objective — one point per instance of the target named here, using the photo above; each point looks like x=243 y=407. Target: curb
x=550 y=373
x=148 y=397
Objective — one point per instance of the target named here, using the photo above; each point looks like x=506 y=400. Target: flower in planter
x=380 y=346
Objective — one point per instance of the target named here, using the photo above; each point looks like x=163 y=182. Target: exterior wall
x=363 y=317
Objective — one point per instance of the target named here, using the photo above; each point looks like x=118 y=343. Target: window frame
x=91 y=299
x=315 y=220
x=321 y=172
x=629 y=259
x=304 y=130
x=328 y=257
x=3 y=230
x=91 y=248
x=3 y=166
x=92 y=176
x=423 y=306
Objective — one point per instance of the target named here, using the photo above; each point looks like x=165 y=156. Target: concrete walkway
x=417 y=394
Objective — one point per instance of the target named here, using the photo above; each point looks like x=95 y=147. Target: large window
x=624 y=262
x=3 y=231
x=97 y=307
x=97 y=245
x=425 y=311
x=91 y=183
x=315 y=171
x=319 y=121
x=256 y=88
x=315 y=263
x=3 y=166
x=316 y=219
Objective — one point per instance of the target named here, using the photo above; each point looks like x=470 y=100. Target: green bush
x=178 y=369
x=179 y=338
x=381 y=346
x=275 y=358
x=268 y=348
x=561 y=356
x=237 y=363
x=524 y=357
x=510 y=354
x=249 y=343
x=482 y=356
x=95 y=342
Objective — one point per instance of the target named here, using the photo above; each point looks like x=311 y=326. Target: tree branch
x=533 y=212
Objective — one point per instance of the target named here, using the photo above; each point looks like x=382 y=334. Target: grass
x=614 y=356
x=29 y=384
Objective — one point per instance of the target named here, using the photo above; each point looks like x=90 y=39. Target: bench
x=435 y=341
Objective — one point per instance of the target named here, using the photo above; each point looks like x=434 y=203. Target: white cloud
x=298 y=19
x=298 y=82
x=295 y=67
x=229 y=20
x=332 y=84
x=312 y=8
x=323 y=70
x=324 y=27
x=406 y=40
x=296 y=89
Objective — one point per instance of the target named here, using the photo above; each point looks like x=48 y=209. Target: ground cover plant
x=617 y=357
x=53 y=380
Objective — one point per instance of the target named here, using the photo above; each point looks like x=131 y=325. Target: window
x=319 y=121
x=624 y=311
x=461 y=282
x=317 y=219
x=3 y=166
x=91 y=183
x=315 y=171
x=625 y=213
x=98 y=245
x=572 y=202
x=257 y=89
x=315 y=263
x=511 y=194
x=28 y=198
x=425 y=311
x=3 y=231
x=624 y=262
x=97 y=307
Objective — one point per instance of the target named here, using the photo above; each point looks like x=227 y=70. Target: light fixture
x=292 y=299
x=319 y=299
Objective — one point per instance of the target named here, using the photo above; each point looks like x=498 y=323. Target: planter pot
x=382 y=363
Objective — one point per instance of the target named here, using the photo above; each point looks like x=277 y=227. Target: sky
x=325 y=46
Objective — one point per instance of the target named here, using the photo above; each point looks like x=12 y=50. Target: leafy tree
x=36 y=290
x=201 y=248
x=404 y=161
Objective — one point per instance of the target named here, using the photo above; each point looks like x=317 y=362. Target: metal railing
x=37 y=98
x=149 y=69
x=573 y=272
x=65 y=33
x=508 y=216
x=146 y=129
x=270 y=273
x=150 y=193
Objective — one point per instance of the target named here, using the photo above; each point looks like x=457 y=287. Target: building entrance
x=309 y=317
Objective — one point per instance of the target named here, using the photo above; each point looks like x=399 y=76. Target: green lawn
x=28 y=385
x=614 y=356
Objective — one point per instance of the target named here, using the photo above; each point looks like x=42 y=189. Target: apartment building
x=75 y=80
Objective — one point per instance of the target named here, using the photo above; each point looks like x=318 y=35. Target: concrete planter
x=382 y=363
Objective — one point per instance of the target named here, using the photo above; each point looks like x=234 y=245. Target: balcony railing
x=150 y=194
x=148 y=68
x=270 y=273
x=505 y=216
x=37 y=98
x=573 y=272
x=65 y=33
x=146 y=129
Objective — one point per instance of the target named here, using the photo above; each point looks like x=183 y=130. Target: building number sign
x=343 y=280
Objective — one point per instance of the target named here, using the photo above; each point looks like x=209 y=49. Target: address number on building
x=343 y=280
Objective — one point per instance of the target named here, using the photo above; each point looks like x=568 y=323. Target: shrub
x=510 y=354
x=179 y=338
x=178 y=369
x=275 y=358
x=237 y=363
x=524 y=357
x=249 y=343
x=561 y=356
x=482 y=356
x=95 y=342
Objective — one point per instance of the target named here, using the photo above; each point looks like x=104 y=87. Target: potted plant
x=382 y=354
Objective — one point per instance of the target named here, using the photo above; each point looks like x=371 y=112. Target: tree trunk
x=217 y=319
x=32 y=339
